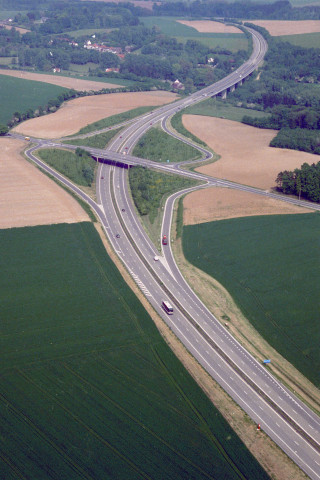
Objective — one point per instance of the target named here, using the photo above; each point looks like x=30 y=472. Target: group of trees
x=286 y=89
x=279 y=10
x=166 y=58
x=303 y=182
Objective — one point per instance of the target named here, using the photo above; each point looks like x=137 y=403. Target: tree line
x=303 y=182
x=280 y=10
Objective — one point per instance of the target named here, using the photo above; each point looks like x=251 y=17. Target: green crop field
x=88 y=387
x=170 y=26
x=18 y=95
x=214 y=107
x=306 y=40
x=270 y=266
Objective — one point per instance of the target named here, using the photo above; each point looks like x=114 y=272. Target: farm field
x=138 y=3
x=212 y=204
x=282 y=303
x=288 y=27
x=208 y=26
x=115 y=119
x=183 y=31
x=18 y=95
x=87 y=31
x=66 y=82
x=251 y=162
x=305 y=40
x=6 y=61
x=78 y=113
x=215 y=108
x=27 y=197
x=89 y=387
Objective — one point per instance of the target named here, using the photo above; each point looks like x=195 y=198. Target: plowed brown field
x=245 y=158
x=208 y=26
x=27 y=196
x=78 y=113
x=67 y=82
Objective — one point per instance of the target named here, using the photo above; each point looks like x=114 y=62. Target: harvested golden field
x=208 y=26
x=211 y=204
x=288 y=27
x=245 y=153
x=80 y=112
x=67 y=82
x=245 y=158
x=27 y=196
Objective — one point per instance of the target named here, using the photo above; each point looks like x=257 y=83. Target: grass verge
x=79 y=167
x=176 y=122
x=99 y=141
x=159 y=146
x=114 y=119
x=149 y=190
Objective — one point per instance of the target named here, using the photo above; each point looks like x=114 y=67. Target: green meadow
x=270 y=266
x=18 y=95
x=305 y=40
x=88 y=387
x=170 y=26
x=214 y=107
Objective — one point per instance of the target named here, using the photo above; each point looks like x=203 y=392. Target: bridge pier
x=224 y=94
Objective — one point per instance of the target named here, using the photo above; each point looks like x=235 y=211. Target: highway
x=292 y=425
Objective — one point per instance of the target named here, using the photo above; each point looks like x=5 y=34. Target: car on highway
x=102 y=178
x=164 y=240
x=123 y=209
x=118 y=235
x=156 y=258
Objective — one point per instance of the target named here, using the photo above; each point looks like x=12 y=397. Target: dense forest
x=303 y=182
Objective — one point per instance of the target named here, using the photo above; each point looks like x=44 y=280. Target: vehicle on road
x=156 y=258
x=123 y=209
x=102 y=178
x=117 y=236
x=27 y=138
x=164 y=240
x=167 y=307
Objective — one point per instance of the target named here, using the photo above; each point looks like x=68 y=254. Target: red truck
x=164 y=240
